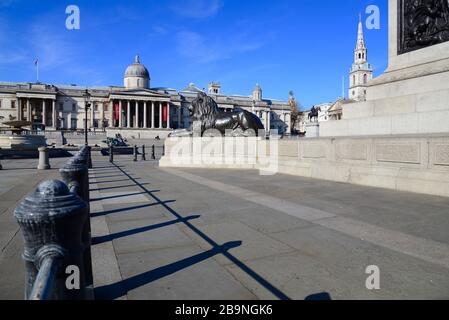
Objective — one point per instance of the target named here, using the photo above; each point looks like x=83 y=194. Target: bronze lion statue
x=204 y=110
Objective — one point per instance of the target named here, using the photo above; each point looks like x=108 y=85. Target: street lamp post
x=86 y=109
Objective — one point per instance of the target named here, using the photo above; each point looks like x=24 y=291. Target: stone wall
x=405 y=163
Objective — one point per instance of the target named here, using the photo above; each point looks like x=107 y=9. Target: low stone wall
x=405 y=163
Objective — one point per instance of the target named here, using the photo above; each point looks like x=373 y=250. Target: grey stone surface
x=142 y=251
x=298 y=257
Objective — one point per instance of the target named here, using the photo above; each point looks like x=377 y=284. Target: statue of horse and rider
x=209 y=119
x=314 y=113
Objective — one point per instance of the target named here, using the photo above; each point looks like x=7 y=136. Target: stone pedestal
x=312 y=130
x=44 y=163
x=25 y=142
x=410 y=97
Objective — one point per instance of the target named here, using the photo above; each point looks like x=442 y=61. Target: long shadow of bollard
x=119 y=289
x=105 y=213
x=127 y=233
x=258 y=278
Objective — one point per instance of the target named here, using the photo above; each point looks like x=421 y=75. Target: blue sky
x=300 y=45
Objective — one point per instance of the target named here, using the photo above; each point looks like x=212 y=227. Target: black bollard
x=76 y=175
x=82 y=156
x=52 y=220
x=89 y=156
x=111 y=154
x=135 y=153
x=144 y=156
x=153 y=154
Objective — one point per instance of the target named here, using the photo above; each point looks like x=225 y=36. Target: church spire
x=360 y=52
x=361 y=72
x=360 y=38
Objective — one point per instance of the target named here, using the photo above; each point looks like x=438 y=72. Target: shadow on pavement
x=322 y=296
x=104 y=213
x=116 y=187
x=119 y=289
x=127 y=233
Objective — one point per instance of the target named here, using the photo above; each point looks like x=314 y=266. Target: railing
x=153 y=152
x=55 y=222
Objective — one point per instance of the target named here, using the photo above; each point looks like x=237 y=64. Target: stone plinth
x=405 y=163
x=312 y=130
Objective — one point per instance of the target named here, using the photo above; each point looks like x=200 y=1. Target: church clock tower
x=361 y=71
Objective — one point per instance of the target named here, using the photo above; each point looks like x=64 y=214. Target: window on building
x=0 y=103
x=61 y=106
x=73 y=107
x=353 y=80
x=360 y=55
x=105 y=107
x=73 y=123
x=96 y=107
x=365 y=78
x=13 y=104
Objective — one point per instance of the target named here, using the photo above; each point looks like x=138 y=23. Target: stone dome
x=136 y=75
x=137 y=69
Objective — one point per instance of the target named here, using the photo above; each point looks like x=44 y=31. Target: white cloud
x=198 y=9
x=203 y=50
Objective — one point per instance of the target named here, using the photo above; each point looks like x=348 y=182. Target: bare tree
x=294 y=107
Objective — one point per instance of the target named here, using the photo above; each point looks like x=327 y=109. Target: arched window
x=365 y=78
x=360 y=56
x=353 y=80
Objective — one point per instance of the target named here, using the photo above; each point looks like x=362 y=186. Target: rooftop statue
x=206 y=116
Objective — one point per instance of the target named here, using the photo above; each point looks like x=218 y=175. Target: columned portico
x=151 y=113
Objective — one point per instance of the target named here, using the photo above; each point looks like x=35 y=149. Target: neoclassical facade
x=135 y=107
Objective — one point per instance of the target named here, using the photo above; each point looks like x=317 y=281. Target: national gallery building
x=132 y=110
